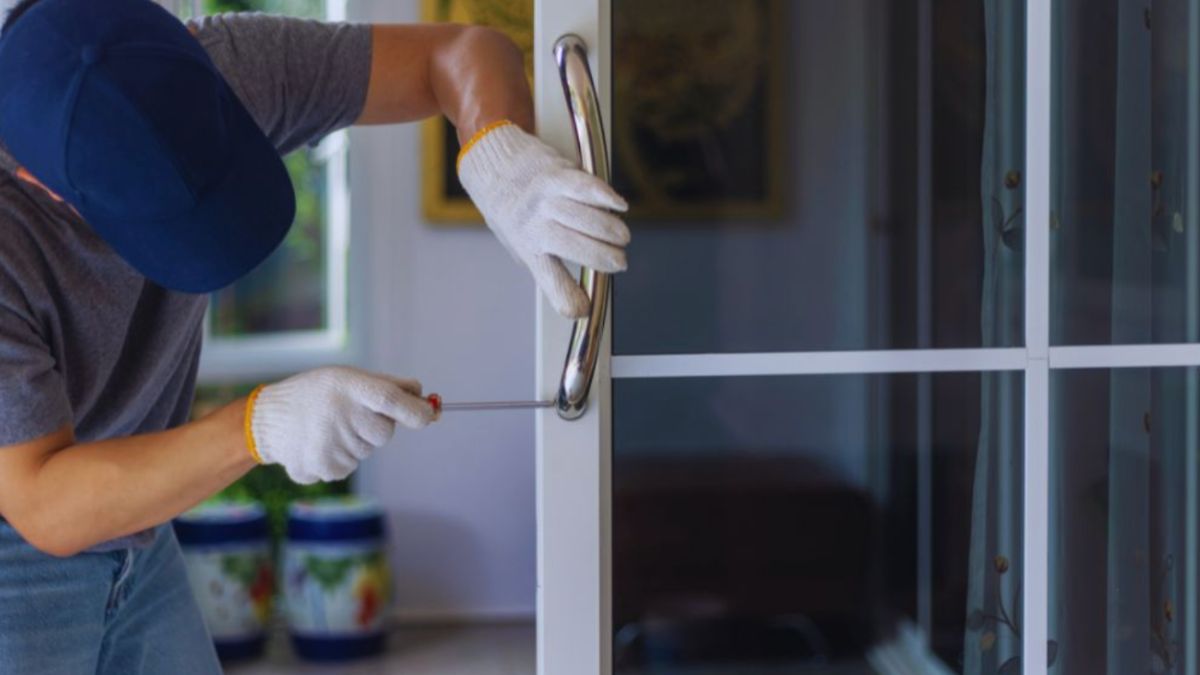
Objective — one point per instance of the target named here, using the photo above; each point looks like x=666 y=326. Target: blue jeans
x=124 y=612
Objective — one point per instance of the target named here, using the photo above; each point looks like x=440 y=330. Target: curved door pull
x=584 y=107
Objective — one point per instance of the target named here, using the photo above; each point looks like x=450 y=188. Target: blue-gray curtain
x=992 y=640
x=1121 y=260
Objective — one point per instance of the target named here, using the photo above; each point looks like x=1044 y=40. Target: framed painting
x=699 y=107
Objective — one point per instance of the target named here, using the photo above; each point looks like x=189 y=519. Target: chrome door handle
x=583 y=104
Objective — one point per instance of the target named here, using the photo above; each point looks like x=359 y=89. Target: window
x=290 y=313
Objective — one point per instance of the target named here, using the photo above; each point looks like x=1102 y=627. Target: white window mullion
x=1037 y=173
x=818 y=363
x=1035 y=609
x=337 y=234
x=1109 y=357
x=335 y=10
x=1099 y=357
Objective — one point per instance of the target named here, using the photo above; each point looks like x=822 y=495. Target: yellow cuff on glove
x=476 y=138
x=251 y=445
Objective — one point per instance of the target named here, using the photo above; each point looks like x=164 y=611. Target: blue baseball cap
x=115 y=106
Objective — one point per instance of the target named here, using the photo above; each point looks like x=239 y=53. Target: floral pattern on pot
x=335 y=589
x=234 y=586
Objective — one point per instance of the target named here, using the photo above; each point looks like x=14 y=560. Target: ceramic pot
x=336 y=580
x=227 y=551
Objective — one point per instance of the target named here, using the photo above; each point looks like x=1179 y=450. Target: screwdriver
x=439 y=406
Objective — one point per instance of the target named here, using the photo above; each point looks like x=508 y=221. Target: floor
x=829 y=669
x=501 y=649
x=487 y=649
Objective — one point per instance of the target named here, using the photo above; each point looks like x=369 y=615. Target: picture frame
x=700 y=145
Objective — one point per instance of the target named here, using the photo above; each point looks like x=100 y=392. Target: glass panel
x=290 y=291
x=311 y=9
x=1125 y=228
x=799 y=180
x=1123 y=521
x=776 y=524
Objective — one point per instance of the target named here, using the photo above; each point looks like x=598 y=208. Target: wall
x=451 y=307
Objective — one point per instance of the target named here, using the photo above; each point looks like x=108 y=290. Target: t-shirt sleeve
x=33 y=395
x=300 y=79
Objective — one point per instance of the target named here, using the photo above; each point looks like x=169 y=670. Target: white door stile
x=573 y=458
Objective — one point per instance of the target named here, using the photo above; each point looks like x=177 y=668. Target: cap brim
x=235 y=226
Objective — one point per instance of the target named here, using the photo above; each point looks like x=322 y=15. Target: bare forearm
x=473 y=76
x=89 y=493
x=482 y=81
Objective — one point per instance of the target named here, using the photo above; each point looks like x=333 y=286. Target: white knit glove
x=319 y=425
x=544 y=210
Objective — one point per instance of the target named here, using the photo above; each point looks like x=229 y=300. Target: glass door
x=831 y=431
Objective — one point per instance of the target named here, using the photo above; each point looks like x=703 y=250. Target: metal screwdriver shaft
x=439 y=406
x=498 y=405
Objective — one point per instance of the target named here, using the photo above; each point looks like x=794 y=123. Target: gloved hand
x=319 y=425
x=544 y=210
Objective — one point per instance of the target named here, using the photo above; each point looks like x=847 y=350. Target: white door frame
x=574 y=458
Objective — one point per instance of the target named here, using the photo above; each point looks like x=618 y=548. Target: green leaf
x=242 y=568
x=329 y=572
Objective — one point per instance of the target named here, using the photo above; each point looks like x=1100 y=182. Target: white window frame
x=574 y=458
x=225 y=359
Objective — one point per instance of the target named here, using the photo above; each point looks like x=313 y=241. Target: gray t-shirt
x=87 y=341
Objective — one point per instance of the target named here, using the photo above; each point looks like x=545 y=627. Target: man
x=142 y=171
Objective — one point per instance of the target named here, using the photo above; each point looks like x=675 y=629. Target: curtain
x=1121 y=245
x=992 y=641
